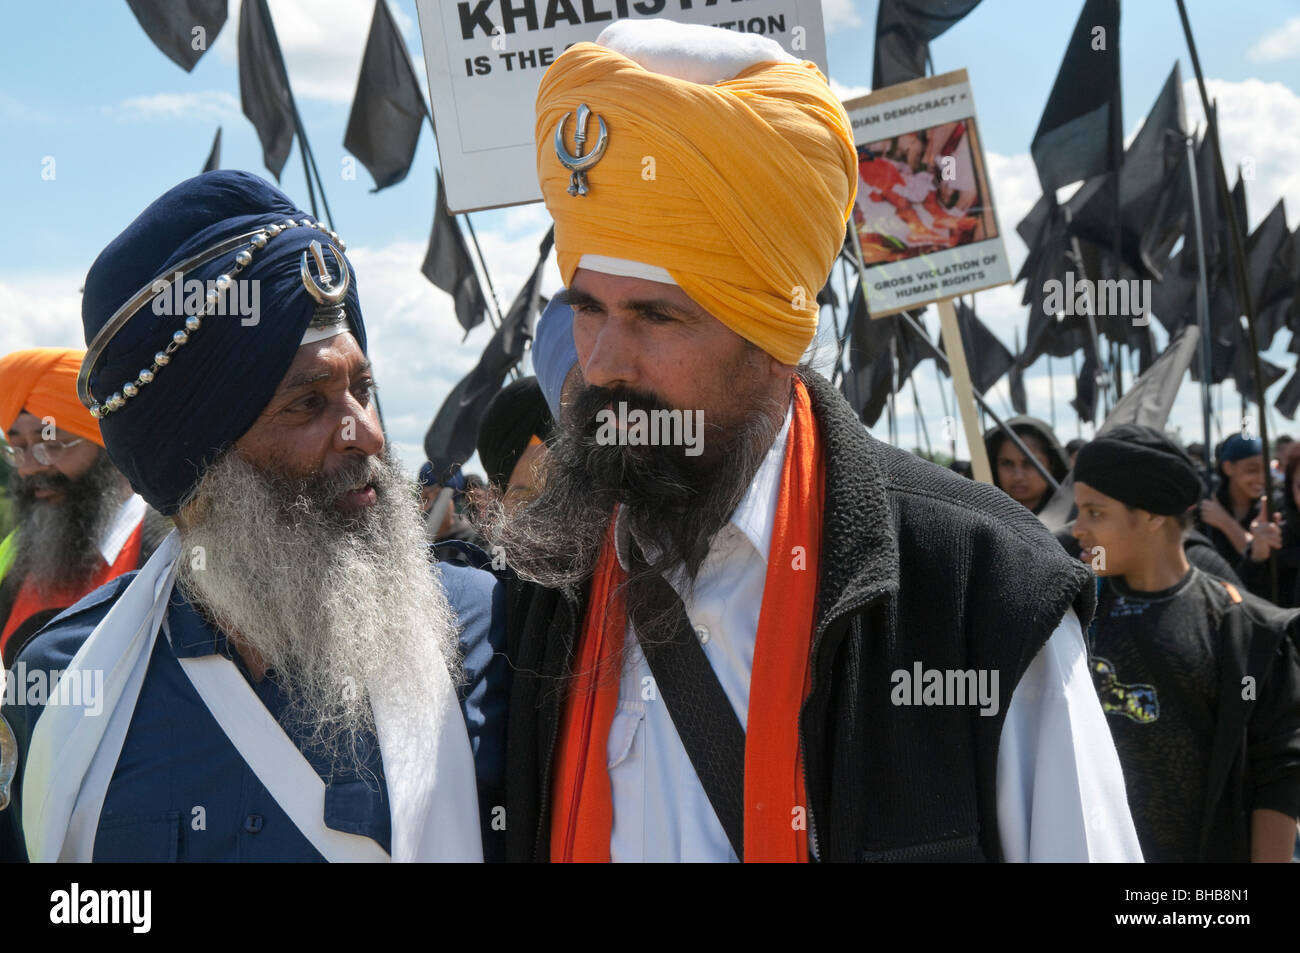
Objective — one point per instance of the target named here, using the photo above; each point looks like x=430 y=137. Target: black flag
x=986 y=357
x=448 y=265
x=388 y=107
x=1080 y=134
x=870 y=379
x=1146 y=174
x=1270 y=285
x=1289 y=399
x=1085 y=390
x=453 y=435
x=1050 y=258
x=182 y=29
x=263 y=86
x=904 y=29
x=214 y=157
x=1016 y=380
x=911 y=352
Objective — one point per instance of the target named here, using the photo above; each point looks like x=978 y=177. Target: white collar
x=128 y=517
x=756 y=511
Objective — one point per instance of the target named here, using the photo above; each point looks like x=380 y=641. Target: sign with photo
x=924 y=216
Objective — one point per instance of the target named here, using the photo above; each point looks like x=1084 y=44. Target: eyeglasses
x=44 y=452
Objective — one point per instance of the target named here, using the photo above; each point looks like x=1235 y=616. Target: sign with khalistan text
x=924 y=214
x=485 y=60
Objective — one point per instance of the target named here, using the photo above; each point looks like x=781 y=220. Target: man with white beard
x=280 y=681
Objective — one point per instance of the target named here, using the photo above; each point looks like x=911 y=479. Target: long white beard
x=336 y=608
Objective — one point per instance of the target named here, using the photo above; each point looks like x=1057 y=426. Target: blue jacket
x=181 y=791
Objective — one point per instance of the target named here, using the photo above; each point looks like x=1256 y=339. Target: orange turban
x=43 y=382
x=740 y=190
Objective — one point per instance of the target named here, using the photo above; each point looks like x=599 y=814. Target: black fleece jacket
x=917 y=565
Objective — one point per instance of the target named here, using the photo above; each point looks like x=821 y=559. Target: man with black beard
x=785 y=641
x=279 y=682
x=77 y=523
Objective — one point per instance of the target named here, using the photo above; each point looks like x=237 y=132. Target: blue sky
x=80 y=82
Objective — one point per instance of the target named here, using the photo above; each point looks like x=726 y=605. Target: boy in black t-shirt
x=1199 y=681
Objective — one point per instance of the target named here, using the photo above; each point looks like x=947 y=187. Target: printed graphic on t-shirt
x=1136 y=702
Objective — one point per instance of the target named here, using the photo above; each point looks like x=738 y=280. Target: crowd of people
x=235 y=631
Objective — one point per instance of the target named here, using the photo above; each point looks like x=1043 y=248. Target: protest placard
x=486 y=58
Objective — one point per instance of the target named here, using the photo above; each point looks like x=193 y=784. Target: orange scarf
x=775 y=804
x=29 y=601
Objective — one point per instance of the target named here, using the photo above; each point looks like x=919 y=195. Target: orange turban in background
x=43 y=382
x=739 y=190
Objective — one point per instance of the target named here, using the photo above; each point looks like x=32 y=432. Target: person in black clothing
x=1200 y=683
x=1288 y=554
x=1013 y=474
x=1243 y=525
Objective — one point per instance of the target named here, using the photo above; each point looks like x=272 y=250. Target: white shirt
x=1060 y=791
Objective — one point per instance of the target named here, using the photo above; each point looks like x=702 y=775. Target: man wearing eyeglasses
x=77 y=522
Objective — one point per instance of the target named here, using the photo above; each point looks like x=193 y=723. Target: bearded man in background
x=77 y=522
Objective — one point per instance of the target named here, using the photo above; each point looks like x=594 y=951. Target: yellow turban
x=43 y=381
x=740 y=190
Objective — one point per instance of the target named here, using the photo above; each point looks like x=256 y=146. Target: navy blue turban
x=215 y=386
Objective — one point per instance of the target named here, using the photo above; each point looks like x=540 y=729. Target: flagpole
x=483 y=262
x=1101 y=375
x=1202 y=311
x=1051 y=391
x=1238 y=249
x=1078 y=417
x=938 y=355
x=1239 y=262
x=1011 y=435
x=303 y=147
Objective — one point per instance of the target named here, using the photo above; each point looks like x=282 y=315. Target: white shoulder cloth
x=73 y=753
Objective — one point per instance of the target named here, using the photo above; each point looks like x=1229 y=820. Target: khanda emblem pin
x=579 y=164
x=324 y=290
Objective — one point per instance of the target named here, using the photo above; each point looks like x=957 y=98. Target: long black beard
x=673 y=504
x=58 y=543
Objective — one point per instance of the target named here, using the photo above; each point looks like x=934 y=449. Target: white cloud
x=15 y=109
x=840 y=15
x=206 y=105
x=1259 y=127
x=41 y=310
x=1281 y=44
x=845 y=93
x=322 y=42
